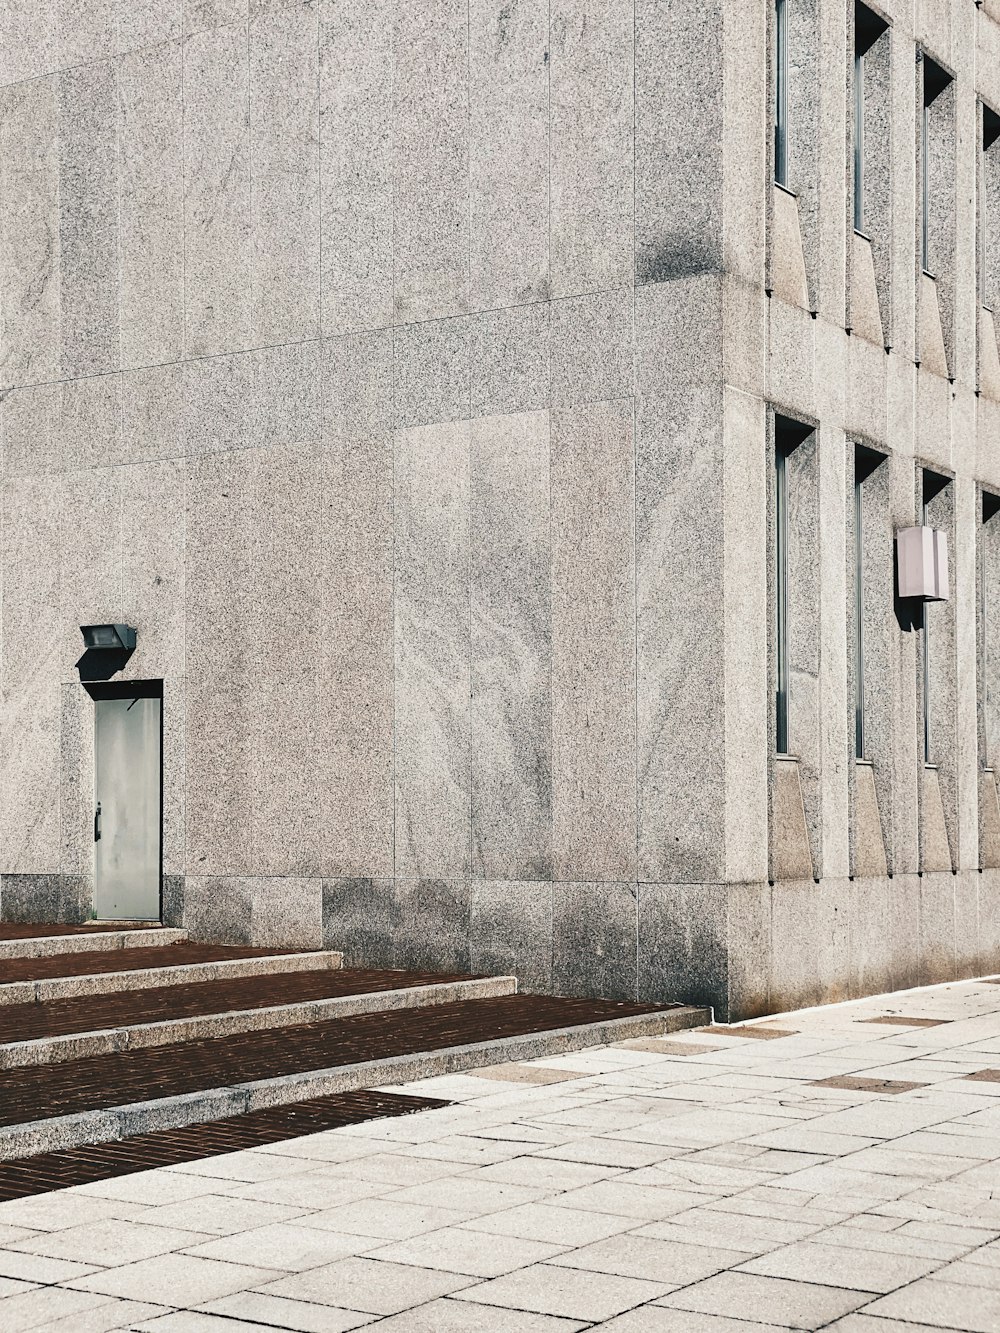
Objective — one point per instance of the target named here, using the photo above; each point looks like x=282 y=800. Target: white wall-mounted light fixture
x=922 y=564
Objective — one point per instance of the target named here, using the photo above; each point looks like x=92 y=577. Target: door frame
x=132 y=689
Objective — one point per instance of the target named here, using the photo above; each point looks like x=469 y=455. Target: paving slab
x=546 y=1207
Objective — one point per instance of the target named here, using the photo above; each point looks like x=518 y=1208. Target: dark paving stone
x=855 y=1083
x=755 y=1033
x=897 y=1020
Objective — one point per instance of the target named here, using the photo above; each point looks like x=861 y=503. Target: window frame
x=781 y=93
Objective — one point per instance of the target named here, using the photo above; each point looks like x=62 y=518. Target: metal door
x=127 y=814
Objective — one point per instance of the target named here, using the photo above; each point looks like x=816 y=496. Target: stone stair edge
x=178 y=974
x=47 y=946
x=164 y=1032
x=109 y=1124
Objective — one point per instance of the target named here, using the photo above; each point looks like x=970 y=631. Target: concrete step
x=203 y=1018
x=208 y=963
x=102 y=1098
x=48 y=945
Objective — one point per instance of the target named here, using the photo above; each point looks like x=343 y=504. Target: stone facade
x=410 y=376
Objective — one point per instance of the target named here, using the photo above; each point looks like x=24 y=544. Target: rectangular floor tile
x=367 y=1285
x=835 y=1266
x=772 y=1300
x=945 y=1305
x=563 y=1291
x=174 y=1279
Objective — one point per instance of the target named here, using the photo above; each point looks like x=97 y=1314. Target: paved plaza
x=837 y=1168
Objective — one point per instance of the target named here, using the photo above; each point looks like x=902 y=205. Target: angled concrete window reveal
x=937 y=223
x=869 y=659
x=924 y=550
x=795 y=111
x=865 y=463
x=869 y=27
x=871 y=256
x=788 y=436
x=988 y=639
x=795 y=809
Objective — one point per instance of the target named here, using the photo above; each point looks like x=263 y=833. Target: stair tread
x=212 y=1138
x=126 y=960
x=34 y=930
x=107 y=1081
x=90 y=1013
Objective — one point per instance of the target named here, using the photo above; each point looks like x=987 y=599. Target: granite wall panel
x=591 y=156
x=284 y=168
x=151 y=204
x=29 y=40
x=89 y=220
x=593 y=642
x=217 y=225
x=354 y=717
x=90 y=558
x=401 y=372
x=508 y=154
x=356 y=164
x=511 y=647
x=30 y=276
x=678 y=176
x=431 y=160
x=511 y=931
x=594 y=939
x=680 y=700
x=432 y=651
x=30 y=663
x=220 y=578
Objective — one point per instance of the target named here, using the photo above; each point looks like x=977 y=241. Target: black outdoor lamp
x=107 y=649
x=117 y=638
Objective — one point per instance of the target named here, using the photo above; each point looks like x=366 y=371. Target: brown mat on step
x=39 y=1092
x=88 y=1013
x=102 y=1161
x=87 y=964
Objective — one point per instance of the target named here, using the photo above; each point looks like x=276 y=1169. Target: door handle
x=97 y=823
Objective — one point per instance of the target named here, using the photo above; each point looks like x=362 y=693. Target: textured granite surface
x=407 y=376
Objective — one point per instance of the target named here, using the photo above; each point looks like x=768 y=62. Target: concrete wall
x=405 y=373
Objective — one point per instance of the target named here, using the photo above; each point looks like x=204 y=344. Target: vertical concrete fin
x=866 y=319
x=989 y=821
x=935 y=852
x=788 y=266
x=869 y=844
x=931 y=350
x=790 y=854
x=989 y=356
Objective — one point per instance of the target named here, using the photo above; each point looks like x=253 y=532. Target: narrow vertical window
x=859 y=613
x=781 y=594
x=781 y=92
x=989 y=564
x=924 y=518
x=932 y=484
x=925 y=188
x=791 y=500
x=989 y=211
x=865 y=462
x=859 y=141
